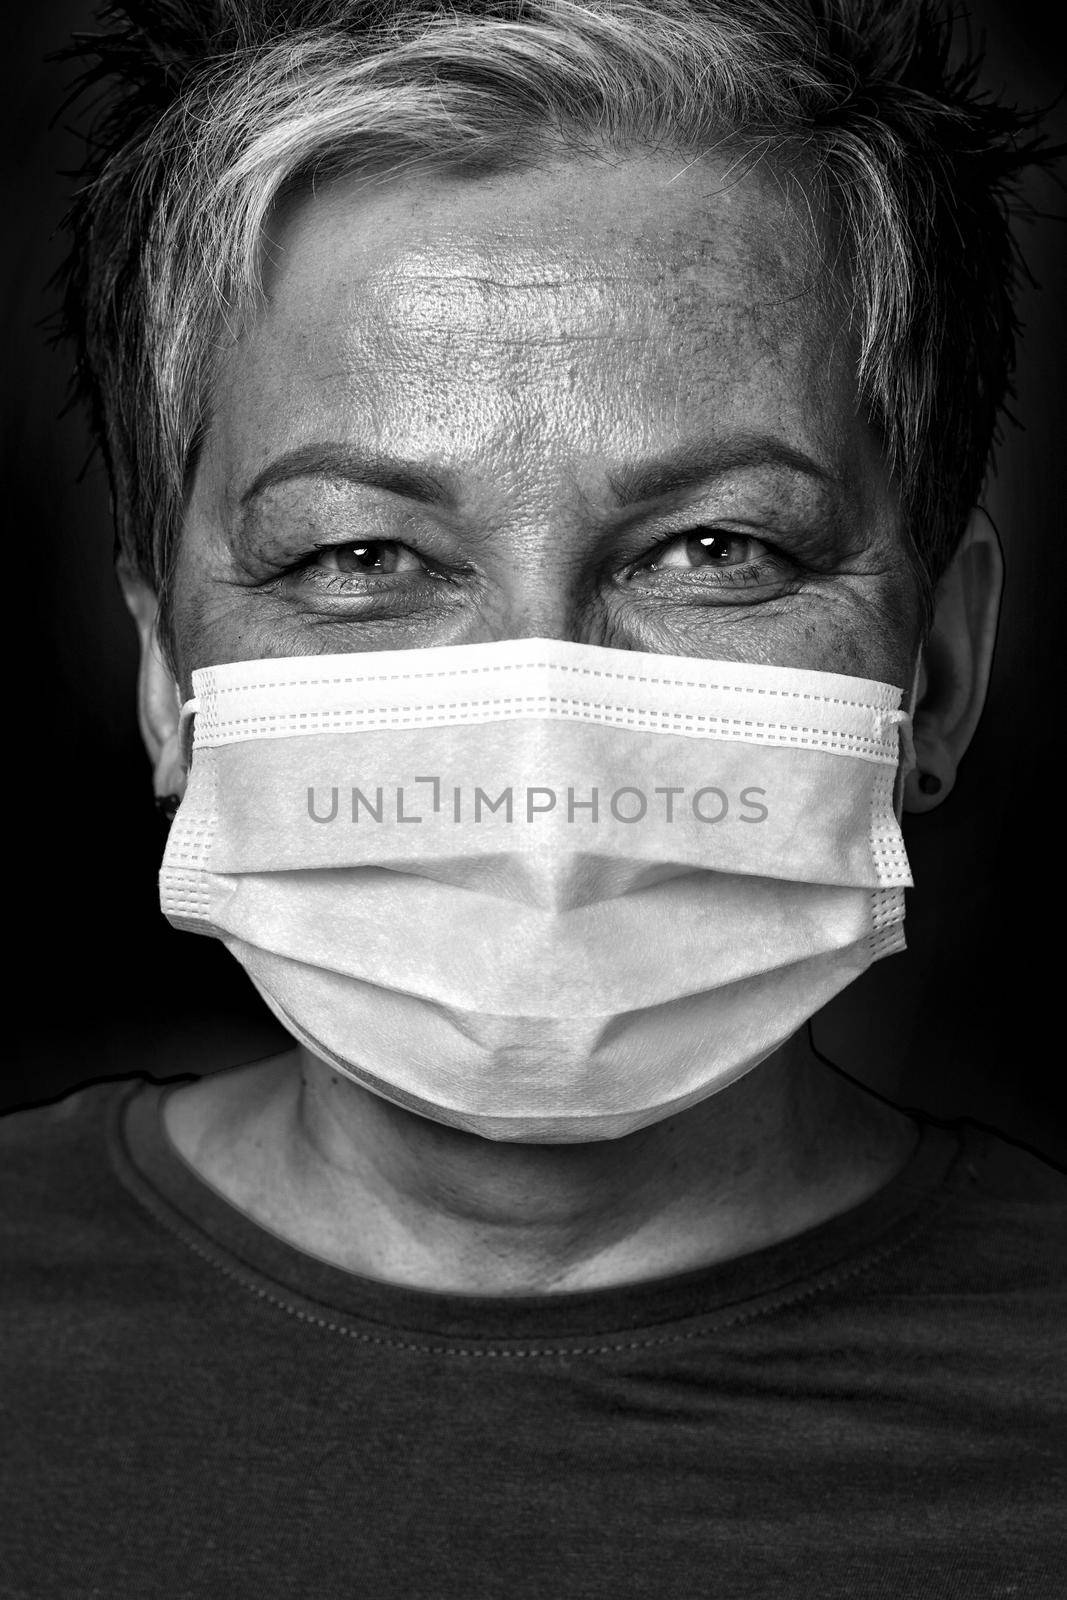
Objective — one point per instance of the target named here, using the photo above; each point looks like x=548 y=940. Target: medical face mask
x=536 y=890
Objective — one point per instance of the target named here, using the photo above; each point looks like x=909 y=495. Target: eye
x=711 y=547
x=375 y=557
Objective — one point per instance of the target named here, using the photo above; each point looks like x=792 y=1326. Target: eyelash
x=740 y=575
x=342 y=581
x=743 y=574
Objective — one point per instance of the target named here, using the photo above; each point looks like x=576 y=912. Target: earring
x=929 y=783
x=167 y=806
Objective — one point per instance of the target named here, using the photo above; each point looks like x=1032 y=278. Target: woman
x=544 y=443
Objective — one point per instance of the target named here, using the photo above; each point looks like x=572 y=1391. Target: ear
x=158 y=700
x=955 y=664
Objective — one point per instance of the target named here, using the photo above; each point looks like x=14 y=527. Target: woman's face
x=611 y=404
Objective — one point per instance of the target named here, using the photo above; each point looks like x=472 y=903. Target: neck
x=380 y=1191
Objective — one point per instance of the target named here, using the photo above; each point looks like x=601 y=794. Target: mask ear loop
x=168 y=805
x=185 y=730
x=907 y=760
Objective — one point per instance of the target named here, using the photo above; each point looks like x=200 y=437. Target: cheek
x=207 y=616
x=867 y=628
x=864 y=628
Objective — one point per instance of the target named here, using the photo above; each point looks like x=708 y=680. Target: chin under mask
x=541 y=891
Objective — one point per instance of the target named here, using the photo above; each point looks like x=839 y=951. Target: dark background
x=965 y=1024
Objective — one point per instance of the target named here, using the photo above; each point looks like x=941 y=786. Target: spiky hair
x=206 y=111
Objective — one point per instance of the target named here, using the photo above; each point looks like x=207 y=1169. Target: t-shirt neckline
x=654 y=1310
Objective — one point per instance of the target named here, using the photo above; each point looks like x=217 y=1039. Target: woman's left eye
x=376 y=557
x=707 y=548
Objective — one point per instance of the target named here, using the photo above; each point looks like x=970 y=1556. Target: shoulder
x=993 y=1234
x=59 y=1192
x=997 y=1180
x=36 y=1143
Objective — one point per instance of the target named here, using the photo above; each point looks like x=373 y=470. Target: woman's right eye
x=373 y=557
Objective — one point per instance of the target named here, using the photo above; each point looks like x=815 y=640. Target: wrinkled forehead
x=666 y=240
x=601 y=297
x=666 y=218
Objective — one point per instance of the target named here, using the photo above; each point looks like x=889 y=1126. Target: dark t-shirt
x=193 y=1407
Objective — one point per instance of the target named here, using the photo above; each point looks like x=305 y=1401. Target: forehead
x=597 y=308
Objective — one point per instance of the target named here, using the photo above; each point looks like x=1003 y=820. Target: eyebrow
x=685 y=468
x=696 y=464
x=368 y=468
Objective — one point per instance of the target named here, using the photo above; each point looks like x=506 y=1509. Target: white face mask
x=537 y=890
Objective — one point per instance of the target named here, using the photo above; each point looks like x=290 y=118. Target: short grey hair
x=217 y=110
